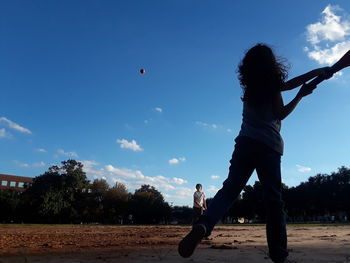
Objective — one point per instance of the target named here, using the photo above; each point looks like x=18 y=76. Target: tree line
x=324 y=197
x=63 y=194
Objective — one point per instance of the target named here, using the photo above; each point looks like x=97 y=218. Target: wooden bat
x=343 y=62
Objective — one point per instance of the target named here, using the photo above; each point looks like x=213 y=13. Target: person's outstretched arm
x=281 y=110
x=300 y=80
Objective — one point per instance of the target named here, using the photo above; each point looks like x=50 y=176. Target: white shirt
x=198 y=198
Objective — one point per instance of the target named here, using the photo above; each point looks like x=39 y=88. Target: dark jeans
x=247 y=156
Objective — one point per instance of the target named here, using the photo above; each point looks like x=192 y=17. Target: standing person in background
x=199 y=203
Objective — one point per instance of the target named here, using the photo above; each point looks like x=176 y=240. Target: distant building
x=19 y=183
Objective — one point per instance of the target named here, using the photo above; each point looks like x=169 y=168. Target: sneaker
x=189 y=243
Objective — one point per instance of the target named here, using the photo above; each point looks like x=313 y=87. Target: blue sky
x=71 y=88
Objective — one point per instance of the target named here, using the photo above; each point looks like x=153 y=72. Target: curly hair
x=261 y=74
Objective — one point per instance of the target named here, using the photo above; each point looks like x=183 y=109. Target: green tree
x=9 y=202
x=252 y=204
x=116 y=203
x=148 y=206
x=182 y=214
x=52 y=196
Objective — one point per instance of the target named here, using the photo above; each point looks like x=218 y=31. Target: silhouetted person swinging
x=259 y=146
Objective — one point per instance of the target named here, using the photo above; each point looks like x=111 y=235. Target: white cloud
x=88 y=163
x=179 y=180
x=214 y=177
x=68 y=154
x=177 y=160
x=332 y=27
x=183 y=192
x=33 y=165
x=40 y=150
x=171 y=188
x=160 y=182
x=212 y=189
x=212 y=126
x=303 y=169
x=329 y=38
x=23 y=165
x=39 y=164
x=136 y=178
x=125 y=173
x=202 y=124
x=128 y=126
x=158 y=109
x=173 y=161
x=3 y=133
x=91 y=171
x=329 y=56
x=14 y=125
x=129 y=145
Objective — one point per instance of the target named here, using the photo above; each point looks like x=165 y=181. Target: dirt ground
x=96 y=243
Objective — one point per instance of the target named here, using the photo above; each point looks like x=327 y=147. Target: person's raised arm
x=281 y=110
x=300 y=80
